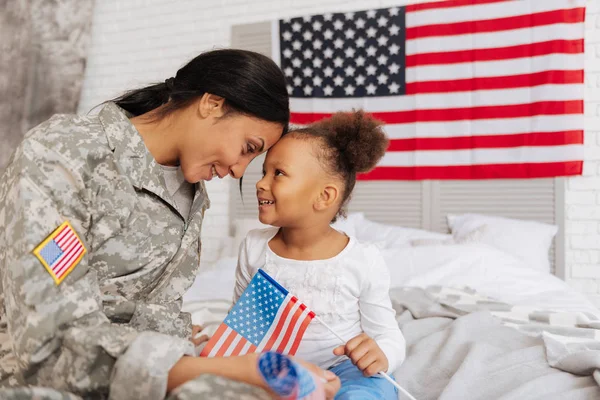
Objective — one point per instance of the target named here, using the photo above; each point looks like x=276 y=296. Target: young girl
x=308 y=177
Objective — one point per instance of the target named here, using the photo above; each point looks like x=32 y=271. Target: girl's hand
x=196 y=329
x=332 y=383
x=365 y=354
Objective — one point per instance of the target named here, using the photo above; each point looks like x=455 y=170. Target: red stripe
x=67 y=260
x=497 y=53
x=289 y=330
x=71 y=262
x=280 y=323
x=65 y=246
x=300 y=333
x=488 y=141
x=460 y=114
x=239 y=346
x=251 y=349
x=496 y=82
x=226 y=344
x=448 y=4
x=59 y=236
x=570 y=16
x=213 y=340
x=491 y=171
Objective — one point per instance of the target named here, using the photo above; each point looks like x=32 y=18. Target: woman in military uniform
x=100 y=238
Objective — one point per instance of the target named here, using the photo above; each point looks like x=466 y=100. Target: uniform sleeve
x=60 y=334
x=377 y=315
x=243 y=274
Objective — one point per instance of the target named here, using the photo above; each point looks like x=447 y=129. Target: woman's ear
x=211 y=105
x=328 y=197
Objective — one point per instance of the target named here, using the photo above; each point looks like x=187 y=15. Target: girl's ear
x=328 y=197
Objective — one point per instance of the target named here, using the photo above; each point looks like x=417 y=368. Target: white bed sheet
x=489 y=271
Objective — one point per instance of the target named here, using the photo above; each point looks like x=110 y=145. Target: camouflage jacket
x=113 y=327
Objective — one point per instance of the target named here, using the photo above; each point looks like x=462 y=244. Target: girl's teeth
x=214 y=171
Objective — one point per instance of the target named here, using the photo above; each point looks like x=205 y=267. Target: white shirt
x=349 y=292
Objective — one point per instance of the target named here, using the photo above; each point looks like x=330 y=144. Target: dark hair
x=350 y=143
x=250 y=83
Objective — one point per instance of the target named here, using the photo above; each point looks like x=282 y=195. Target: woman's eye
x=251 y=148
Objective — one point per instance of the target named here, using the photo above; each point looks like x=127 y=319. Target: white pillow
x=392 y=236
x=528 y=240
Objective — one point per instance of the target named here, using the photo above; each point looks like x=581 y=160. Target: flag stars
x=349 y=15
x=349 y=90
x=394 y=49
x=382 y=60
x=371 y=13
x=371 y=89
x=360 y=42
x=317 y=26
x=317 y=81
x=297 y=45
x=371 y=32
x=287 y=53
x=349 y=52
x=307 y=53
x=328 y=53
x=382 y=40
x=338 y=62
x=338 y=43
x=287 y=36
x=328 y=72
x=308 y=90
x=371 y=70
x=296 y=26
x=360 y=23
x=349 y=34
x=307 y=35
x=382 y=79
x=328 y=90
x=349 y=71
x=317 y=62
x=317 y=44
x=394 y=11
x=360 y=80
x=338 y=80
x=394 y=29
x=307 y=72
x=382 y=21
x=328 y=34
x=394 y=68
x=394 y=88
x=297 y=81
x=338 y=25
x=371 y=51
x=360 y=61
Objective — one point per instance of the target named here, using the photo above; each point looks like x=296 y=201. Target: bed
x=482 y=313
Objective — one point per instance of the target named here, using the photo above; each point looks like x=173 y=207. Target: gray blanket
x=464 y=346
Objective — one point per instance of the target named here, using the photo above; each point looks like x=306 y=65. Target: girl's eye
x=278 y=172
x=263 y=173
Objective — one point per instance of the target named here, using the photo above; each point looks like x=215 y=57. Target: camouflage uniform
x=113 y=328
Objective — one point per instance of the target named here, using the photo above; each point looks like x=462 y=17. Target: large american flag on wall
x=468 y=89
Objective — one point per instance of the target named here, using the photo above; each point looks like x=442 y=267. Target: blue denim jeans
x=355 y=386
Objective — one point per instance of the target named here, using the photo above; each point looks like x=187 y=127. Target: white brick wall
x=583 y=193
x=141 y=41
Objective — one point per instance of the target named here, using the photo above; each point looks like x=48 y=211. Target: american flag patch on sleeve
x=60 y=252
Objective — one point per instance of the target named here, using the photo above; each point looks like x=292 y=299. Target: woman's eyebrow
x=263 y=144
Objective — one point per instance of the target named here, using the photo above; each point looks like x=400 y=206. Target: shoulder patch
x=60 y=252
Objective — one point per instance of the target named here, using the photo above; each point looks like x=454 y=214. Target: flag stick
x=383 y=374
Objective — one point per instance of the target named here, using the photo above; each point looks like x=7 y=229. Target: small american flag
x=468 y=89
x=266 y=317
x=60 y=252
